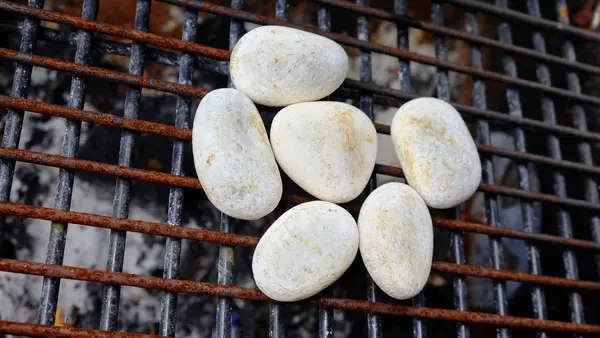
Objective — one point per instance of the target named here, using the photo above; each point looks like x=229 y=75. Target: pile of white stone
x=329 y=150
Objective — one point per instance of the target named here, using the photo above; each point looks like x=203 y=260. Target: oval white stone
x=233 y=157
x=278 y=66
x=327 y=148
x=305 y=250
x=436 y=151
x=396 y=239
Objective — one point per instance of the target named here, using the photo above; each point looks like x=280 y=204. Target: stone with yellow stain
x=233 y=157
x=304 y=251
x=436 y=151
x=396 y=239
x=327 y=148
x=277 y=66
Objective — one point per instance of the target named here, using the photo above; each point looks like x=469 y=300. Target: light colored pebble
x=305 y=250
x=436 y=151
x=233 y=157
x=396 y=239
x=278 y=66
x=327 y=148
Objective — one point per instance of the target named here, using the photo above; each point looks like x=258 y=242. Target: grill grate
x=188 y=56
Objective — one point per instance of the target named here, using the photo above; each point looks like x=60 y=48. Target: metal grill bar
x=119 y=48
x=152 y=176
x=531 y=21
x=579 y=120
x=33 y=330
x=168 y=301
x=227 y=224
x=404 y=75
x=176 y=88
x=240 y=15
x=403 y=20
x=456 y=239
x=276 y=327
x=482 y=134
x=374 y=329
x=69 y=148
x=564 y=218
x=160 y=229
x=14 y=120
x=116 y=244
x=188 y=55
x=538 y=298
x=185 y=134
x=173 y=285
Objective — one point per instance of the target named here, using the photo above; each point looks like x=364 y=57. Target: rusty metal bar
x=148 y=227
x=189 y=182
x=105 y=46
x=179 y=89
x=85 y=70
x=374 y=47
x=166 y=230
x=469 y=112
x=175 y=44
x=512 y=15
x=157 y=283
x=34 y=330
x=185 y=134
x=406 y=21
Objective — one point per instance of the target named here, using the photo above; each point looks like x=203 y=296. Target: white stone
x=327 y=148
x=278 y=66
x=233 y=157
x=437 y=153
x=305 y=250
x=396 y=239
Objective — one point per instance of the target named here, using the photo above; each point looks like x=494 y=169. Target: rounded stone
x=436 y=151
x=305 y=250
x=327 y=148
x=278 y=66
x=233 y=157
x=396 y=239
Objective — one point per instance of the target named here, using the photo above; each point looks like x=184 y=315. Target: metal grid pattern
x=188 y=55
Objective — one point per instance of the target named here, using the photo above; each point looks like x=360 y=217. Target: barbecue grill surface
x=109 y=184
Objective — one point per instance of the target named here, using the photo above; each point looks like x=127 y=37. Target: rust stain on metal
x=477 y=271
x=231 y=239
x=163 y=41
x=185 y=134
x=179 y=45
x=96 y=117
x=109 y=75
x=505 y=232
x=193 y=183
x=150 y=228
x=100 y=168
x=34 y=330
x=172 y=285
